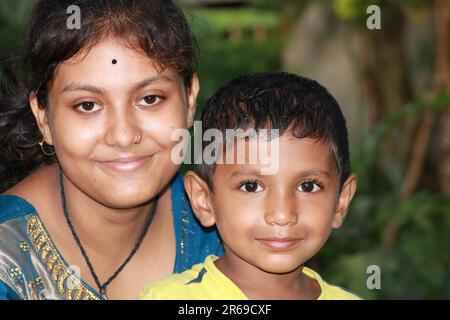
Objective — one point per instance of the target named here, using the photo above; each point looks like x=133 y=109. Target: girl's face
x=110 y=118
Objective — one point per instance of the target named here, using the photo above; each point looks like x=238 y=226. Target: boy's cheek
x=318 y=217
x=235 y=214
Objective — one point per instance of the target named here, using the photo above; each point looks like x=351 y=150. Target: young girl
x=99 y=209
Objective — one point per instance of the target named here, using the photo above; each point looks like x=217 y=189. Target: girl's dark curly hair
x=157 y=28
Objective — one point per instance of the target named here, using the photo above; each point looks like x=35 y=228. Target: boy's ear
x=345 y=197
x=192 y=99
x=41 y=116
x=199 y=196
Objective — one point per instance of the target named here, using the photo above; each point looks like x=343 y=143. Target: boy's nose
x=282 y=210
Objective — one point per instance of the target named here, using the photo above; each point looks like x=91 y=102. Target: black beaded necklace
x=102 y=287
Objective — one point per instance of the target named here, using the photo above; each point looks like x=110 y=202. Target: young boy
x=270 y=224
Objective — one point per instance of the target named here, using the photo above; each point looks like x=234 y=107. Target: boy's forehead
x=288 y=153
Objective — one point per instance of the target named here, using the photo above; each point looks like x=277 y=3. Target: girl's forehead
x=110 y=64
x=110 y=49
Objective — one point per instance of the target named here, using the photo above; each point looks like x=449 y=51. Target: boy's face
x=275 y=222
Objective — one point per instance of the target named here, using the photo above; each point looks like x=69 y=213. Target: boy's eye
x=309 y=186
x=149 y=100
x=88 y=107
x=251 y=186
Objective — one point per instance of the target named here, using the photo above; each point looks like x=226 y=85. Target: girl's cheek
x=75 y=138
x=167 y=134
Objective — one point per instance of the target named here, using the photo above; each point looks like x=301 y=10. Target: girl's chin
x=126 y=200
x=117 y=205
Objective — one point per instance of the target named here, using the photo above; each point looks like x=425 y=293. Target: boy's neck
x=257 y=284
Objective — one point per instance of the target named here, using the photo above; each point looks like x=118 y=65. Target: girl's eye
x=251 y=186
x=88 y=107
x=149 y=100
x=309 y=186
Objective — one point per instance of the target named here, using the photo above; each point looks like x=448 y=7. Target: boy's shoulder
x=202 y=282
x=330 y=291
x=205 y=282
x=172 y=287
x=338 y=293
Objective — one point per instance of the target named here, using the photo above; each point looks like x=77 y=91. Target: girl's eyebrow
x=75 y=86
x=149 y=81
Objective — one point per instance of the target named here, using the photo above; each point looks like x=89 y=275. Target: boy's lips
x=280 y=243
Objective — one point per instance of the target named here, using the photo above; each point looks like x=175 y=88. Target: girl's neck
x=104 y=228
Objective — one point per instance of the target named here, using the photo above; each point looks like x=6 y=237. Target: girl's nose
x=123 y=129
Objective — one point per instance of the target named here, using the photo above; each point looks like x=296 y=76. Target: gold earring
x=48 y=154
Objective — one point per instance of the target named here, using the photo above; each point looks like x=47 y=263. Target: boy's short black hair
x=278 y=100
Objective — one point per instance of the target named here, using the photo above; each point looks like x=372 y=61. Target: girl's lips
x=125 y=165
x=280 y=243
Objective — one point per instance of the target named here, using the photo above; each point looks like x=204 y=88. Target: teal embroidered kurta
x=31 y=267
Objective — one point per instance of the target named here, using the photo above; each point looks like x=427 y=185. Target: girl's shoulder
x=13 y=207
x=33 y=189
x=15 y=214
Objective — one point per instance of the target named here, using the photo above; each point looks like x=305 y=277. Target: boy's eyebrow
x=314 y=172
x=304 y=173
x=244 y=172
x=75 y=86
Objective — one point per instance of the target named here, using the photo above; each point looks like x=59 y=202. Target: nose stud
x=137 y=139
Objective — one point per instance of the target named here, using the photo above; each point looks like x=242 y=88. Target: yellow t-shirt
x=205 y=282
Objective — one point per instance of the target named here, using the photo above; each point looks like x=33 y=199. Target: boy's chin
x=280 y=267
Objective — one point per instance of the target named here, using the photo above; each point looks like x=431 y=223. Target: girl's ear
x=345 y=197
x=192 y=99
x=41 y=116
x=200 y=197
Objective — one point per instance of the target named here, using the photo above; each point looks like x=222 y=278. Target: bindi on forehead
x=114 y=61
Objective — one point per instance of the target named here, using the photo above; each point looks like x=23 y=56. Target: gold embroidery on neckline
x=75 y=290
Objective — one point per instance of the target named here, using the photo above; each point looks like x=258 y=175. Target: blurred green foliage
x=219 y=21
x=235 y=42
x=13 y=19
x=353 y=9
x=415 y=261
